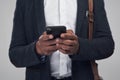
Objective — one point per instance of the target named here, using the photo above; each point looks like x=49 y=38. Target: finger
x=66 y=42
x=63 y=51
x=50 y=49
x=68 y=48
x=68 y=36
x=64 y=47
x=59 y=41
x=50 y=42
x=45 y=33
x=69 y=42
x=46 y=37
x=70 y=31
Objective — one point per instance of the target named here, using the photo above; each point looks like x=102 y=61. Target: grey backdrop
x=108 y=68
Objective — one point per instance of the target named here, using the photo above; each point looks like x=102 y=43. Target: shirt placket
x=62 y=21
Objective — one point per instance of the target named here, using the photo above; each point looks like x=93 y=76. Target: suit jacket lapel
x=81 y=5
x=39 y=10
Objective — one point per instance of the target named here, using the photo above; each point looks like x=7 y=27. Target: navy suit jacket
x=29 y=24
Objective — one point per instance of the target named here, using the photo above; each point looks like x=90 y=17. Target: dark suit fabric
x=29 y=24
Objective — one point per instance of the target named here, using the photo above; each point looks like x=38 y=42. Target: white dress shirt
x=60 y=12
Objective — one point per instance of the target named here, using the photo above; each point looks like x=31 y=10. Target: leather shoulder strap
x=91 y=19
x=90 y=35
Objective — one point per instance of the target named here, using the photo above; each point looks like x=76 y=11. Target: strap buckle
x=91 y=17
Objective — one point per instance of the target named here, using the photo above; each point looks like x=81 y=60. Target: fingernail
x=62 y=35
x=57 y=45
x=51 y=37
x=57 y=40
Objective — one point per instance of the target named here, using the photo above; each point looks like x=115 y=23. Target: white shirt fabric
x=60 y=12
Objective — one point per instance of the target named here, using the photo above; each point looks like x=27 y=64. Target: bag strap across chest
x=90 y=36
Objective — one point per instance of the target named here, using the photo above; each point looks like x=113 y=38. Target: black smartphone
x=55 y=30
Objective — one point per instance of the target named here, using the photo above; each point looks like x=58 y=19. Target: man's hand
x=46 y=44
x=68 y=43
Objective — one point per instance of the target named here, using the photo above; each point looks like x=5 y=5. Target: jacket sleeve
x=102 y=45
x=21 y=53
